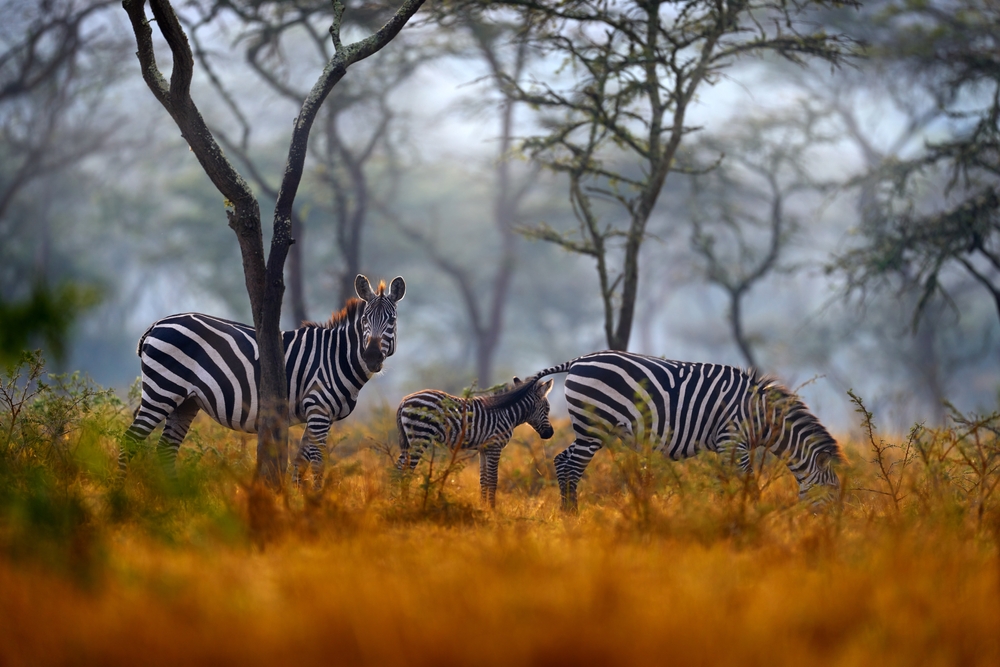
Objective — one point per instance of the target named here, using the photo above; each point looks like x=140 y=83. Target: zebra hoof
x=569 y=507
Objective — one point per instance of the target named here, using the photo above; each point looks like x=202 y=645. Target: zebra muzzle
x=373 y=356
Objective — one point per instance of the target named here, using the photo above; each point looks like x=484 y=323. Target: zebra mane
x=763 y=381
x=509 y=396
x=798 y=411
x=345 y=314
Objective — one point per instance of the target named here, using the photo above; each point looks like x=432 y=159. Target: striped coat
x=681 y=408
x=485 y=423
x=193 y=362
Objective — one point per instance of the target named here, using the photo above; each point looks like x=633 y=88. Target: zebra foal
x=193 y=362
x=682 y=408
x=485 y=423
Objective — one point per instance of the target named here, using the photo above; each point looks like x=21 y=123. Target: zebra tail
x=142 y=338
x=561 y=368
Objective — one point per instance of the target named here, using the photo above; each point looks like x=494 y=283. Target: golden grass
x=685 y=570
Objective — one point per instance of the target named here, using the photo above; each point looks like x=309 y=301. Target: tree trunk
x=296 y=286
x=272 y=421
x=630 y=290
x=736 y=323
x=265 y=304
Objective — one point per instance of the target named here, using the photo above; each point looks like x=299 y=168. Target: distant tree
x=741 y=225
x=937 y=212
x=615 y=113
x=264 y=280
x=501 y=47
x=56 y=60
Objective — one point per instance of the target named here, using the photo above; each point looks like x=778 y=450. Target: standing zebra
x=193 y=361
x=485 y=423
x=682 y=408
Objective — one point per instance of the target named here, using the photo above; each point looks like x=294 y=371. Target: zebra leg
x=148 y=416
x=174 y=432
x=736 y=454
x=318 y=462
x=135 y=434
x=311 y=448
x=411 y=448
x=570 y=464
x=312 y=455
x=299 y=459
x=489 y=462
x=410 y=457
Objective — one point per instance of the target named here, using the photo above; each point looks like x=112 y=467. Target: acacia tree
x=615 y=128
x=500 y=45
x=744 y=201
x=264 y=280
x=940 y=210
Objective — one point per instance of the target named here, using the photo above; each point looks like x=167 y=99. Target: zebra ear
x=547 y=387
x=363 y=288
x=397 y=288
x=517 y=380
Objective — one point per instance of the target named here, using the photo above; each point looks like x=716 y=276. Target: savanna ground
x=666 y=563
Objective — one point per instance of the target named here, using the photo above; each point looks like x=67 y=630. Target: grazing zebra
x=681 y=408
x=485 y=423
x=194 y=362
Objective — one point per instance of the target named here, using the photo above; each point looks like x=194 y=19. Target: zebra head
x=792 y=431
x=538 y=415
x=378 y=322
x=818 y=481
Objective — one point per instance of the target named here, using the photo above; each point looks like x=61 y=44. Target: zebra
x=485 y=423
x=681 y=408
x=194 y=362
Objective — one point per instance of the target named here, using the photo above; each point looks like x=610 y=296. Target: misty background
x=416 y=169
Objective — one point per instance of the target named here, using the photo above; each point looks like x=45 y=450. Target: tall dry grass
x=667 y=563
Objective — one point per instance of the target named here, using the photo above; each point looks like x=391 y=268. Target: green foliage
x=59 y=494
x=50 y=431
x=47 y=314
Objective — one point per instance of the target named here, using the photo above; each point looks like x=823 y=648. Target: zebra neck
x=344 y=345
x=356 y=347
x=506 y=417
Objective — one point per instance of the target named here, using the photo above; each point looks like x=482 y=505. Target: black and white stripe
x=194 y=362
x=485 y=423
x=681 y=408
